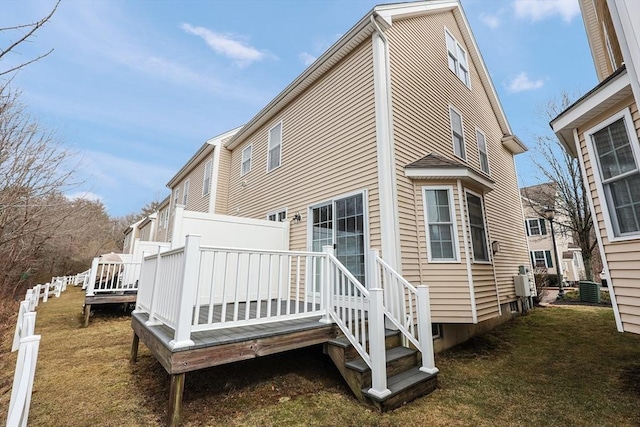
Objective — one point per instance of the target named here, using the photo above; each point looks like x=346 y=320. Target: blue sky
x=136 y=87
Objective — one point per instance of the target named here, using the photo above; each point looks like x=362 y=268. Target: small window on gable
x=206 y=181
x=457 y=133
x=614 y=151
x=277 y=216
x=275 y=146
x=185 y=195
x=245 y=168
x=457 y=58
x=482 y=151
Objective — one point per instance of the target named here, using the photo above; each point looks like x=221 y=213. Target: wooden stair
x=404 y=378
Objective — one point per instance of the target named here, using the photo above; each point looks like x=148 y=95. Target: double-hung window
x=185 y=195
x=615 y=151
x=440 y=224
x=245 y=168
x=457 y=133
x=275 y=145
x=477 y=227
x=176 y=196
x=457 y=58
x=206 y=181
x=541 y=259
x=536 y=227
x=482 y=151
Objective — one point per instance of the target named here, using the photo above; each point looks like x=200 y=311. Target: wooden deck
x=222 y=346
x=120 y=297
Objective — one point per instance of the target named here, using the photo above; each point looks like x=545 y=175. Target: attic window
x=457 y=57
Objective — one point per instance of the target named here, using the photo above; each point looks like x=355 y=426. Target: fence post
x=57 y=288
x=45 y=297
x=37 y=289
x=377 y=345
x=154 y=300
x=187 y=293
x=424 y=331
x=326 y=284
x=23 y=381
x=92 y=277
x=22 y=311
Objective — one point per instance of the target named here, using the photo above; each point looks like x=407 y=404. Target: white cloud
x=306 y=58
x=522 y=82
x=227 y=45
x=86 y=195
x=537 y=10
x=491 y=21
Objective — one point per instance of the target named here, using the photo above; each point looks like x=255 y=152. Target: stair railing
x=407 y=307
x=351 y=305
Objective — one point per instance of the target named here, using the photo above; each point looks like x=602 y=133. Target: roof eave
x=462 y=173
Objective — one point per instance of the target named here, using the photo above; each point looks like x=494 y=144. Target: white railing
x=113 y=276
x=407 y=308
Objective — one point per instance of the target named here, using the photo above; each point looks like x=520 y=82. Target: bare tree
x=571 y=199
x=24 y=33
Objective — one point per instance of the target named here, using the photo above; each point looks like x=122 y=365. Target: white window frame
x=485 y=152
x=276 y=213
x=463 y=155
x=460 y=67
x=486 y=227
x=454 y=224
x=206 y=177
x=610 y=218
x=244 y=160
x=539 y=221
x=185 y=190
x=166 y=218
x=270 y=148
x=532 y=256
x=176 y=196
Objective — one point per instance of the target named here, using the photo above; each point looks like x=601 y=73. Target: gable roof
x=436 y=166
x=383 y=15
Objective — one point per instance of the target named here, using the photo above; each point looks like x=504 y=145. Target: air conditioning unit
x=521 y=283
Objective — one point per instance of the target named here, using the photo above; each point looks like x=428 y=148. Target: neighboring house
x=395 y=139
x=200 y=185
x=162 y=229
x=535 y=200
x=130 y=235
x=147 y=227
x=601 y=129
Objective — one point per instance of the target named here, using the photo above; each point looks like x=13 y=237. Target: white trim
x=459 y=47
x=528 y=228
x=461 y=172
x=472 y=292
x=250 y=159
x=486 y=151
x=532 y=258
x=208 y=163
x=605 y=262
x=278 y=211
x=176 y=196
x=486 y=227
x=269 y=148
x=454 y=225
x=215 y=172
x=597 y=177
x=453 y=144
x=186 y=187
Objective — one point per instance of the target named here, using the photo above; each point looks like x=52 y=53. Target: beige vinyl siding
x=145 y=231
x=448 y=281
x=223 y=180
x=196 y=201
x=423 y=87
x=623 y=257
x=328 y=149
x=162 y=231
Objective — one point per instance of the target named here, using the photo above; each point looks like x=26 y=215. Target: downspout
x=388 y=196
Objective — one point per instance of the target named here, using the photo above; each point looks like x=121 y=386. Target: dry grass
x=558 y=366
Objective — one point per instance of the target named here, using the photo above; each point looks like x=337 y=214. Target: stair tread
x=392 y=354
x=401 y=381
x=342 y=341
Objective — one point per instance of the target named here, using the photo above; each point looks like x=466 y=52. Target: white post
x=36 y=293
x=424 y=331
x=57 y=289
x=18 y=334
x=373 y=278
x=176 y=236
x=23 y=381
x=45 y=297
x=154 y=300
x=377 y=345
x=326 y=284
x=29 y=298
x=186 y=295
x=92 y=277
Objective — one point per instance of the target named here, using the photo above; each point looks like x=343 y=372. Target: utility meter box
x=521 y=283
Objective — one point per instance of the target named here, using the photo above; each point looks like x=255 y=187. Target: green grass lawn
x=556 y=366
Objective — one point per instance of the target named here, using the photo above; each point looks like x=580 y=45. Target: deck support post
x=424 y=331
x=87 y=313
x=175 y=400
x=377 y=345
x=135 y=343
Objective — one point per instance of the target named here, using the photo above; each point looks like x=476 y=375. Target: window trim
x=532 y=257
x=453 y=143
x=454 y=224
x=278 y=211
x=603 y=199
x=539 y=220
x=484 y=223
x=457 y=67
x=243 y=160
x=206 y=189
x=176 y=196
x=269 y=148
x=185 y=188
x=486 y=151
